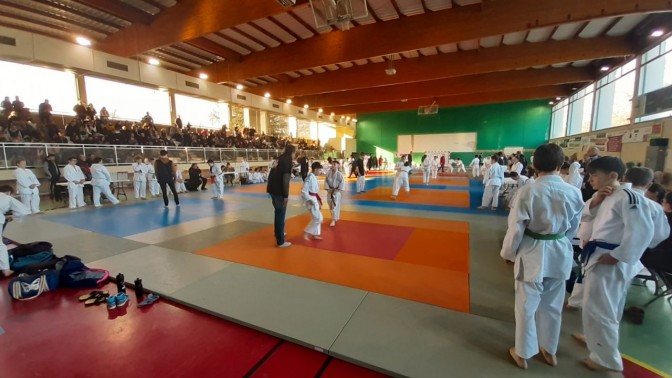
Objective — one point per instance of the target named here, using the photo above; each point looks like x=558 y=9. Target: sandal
x=151 y=298
x=93 y=295
x=96 y=301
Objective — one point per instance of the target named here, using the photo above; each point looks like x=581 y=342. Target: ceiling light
x=342 y=117
x=240 y=87
x=604 y=68
x=289 y=100
x=347 y=118
x=333 y=114
x=320 y=110
x=557 y=98
x=657 y=33
x=305 y=106
x=550 y=103
x=83 y=41
x=574 y=88
x=203 y=76
x=354 y=120
x=267 y=95
x=153 y=61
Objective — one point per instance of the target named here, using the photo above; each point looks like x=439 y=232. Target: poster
x=657 y=130
x=615 y=143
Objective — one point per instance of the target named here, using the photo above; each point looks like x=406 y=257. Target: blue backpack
x=73 y=273
x=34 y=262
x=25 y=287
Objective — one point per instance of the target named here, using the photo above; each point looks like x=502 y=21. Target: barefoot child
x=312 y=200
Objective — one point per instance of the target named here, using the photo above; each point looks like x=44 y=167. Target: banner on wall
x=615 y=143
x=657 y=130
x=638 y=135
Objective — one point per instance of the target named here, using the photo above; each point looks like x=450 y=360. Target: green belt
x=536 y=236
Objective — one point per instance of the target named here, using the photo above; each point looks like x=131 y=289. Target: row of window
x=609 y=101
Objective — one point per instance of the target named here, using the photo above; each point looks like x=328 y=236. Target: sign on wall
x=615 y=143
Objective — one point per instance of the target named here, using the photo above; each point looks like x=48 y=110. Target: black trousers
x=55 y=191
x=171 y=185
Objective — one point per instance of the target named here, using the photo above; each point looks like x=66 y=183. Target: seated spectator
x=660 y=258
x=195 y=179
x=656 y=193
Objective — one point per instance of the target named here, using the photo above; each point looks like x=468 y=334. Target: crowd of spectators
x=90 y=127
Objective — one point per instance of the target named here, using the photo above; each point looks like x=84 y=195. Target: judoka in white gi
x=493 y=179
x=360 y=172
x=28 y=186
x=521 y=181
x=179 y=182
x=154 y=188
x=75 y=177
x=402 y=180
x=435 y=167
x=459 y=165
x=426 y=165
x=218 y=184
x=334 y=184
x=140 y=178
x=572 y=175
x=311 y=199
x=19 y=210
x=100 y=181
x=621 y=227
x=517 y=166
x=542 y=223
x=476 y=167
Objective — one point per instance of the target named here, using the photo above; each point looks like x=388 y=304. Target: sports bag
x=36 y=261
x=25 y=287
x=75 y=274
x=30 y=249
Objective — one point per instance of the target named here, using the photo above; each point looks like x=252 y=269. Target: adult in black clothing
x=178 y=122
x=165 y=175
x=195 y=179
x=54 y=175
x=6 y=107
x=17 y=105
x=360 y=172
x=278 y=188
x=587 y=190
x=44 y=111
x=303 y=162
x=660 y=258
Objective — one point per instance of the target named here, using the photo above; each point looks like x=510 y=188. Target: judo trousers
x=538 y=316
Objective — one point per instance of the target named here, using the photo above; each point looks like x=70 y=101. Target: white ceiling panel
x=318 y=69
x=346 y=64
x=332 y=67
x=514 y=38
x=581 y=63
x=294 y=25
x=242 y=39
x=226 y=43
x=383 y=9
x=468 y=45
x=164 y=64
x=249 y=83
x=410 y=7
x=466 y=2
x=410 y=54
x=561 y=65
x=292 y=74
x=196 y=50
x=306 y=72
x=428 y=51
x=270 y=79
x=567 y=31
x=263 y=37
x=540 y=67
x=596 y=27
x=306 y=14
x=275 y=30
x=492 y=41
x=626 y=24
x=361 y=62
x=540 y=34
x=185 y=55
x=437 y=5
x=448 y=48
x=377 y=59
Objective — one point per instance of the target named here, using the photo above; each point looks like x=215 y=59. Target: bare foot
x=579 y=337
x=521 y=362
x=317 y=237
x=7 y=273
x=549 y=358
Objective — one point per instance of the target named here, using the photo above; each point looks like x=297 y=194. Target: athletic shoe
x=111 y=302
x=284 y=245
x=121 y=299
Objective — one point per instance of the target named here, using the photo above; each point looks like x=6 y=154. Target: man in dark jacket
x=278 y=188
x=303 y=162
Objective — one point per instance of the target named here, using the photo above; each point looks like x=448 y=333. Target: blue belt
x=588 y=251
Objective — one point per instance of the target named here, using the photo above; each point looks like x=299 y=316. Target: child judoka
x=542 y=223
x=621 y=226
x=311 y=199
x=154 y=189
x=493 y=179
x=334 y=184
x=476 y=167
x=401 y=180
x=140 y=178
x=426 y=165
x=218 y=180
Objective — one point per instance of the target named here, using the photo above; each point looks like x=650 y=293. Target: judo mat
x=423 y=260
x=444 y=181
x=417 y=197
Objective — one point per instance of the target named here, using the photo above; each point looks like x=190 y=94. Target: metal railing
x=35 y=153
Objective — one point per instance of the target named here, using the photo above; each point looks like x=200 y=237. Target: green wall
x=524 y=123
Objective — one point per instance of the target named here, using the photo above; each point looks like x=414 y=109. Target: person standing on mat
x=311 y=199
x=218 y=180
x=334 y=184
x=303 y=163
x=139 y=178
x=165 y=175
x=544 y=219
x=278 y=187
x=426 y=165
x=442 y=162
x=100 y=181
x=28 y=186
x=476 y=167
x=360 y=173
x=494 y=178
x=75 y=177
x=401 y=180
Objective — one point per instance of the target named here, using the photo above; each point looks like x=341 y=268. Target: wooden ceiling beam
x=121 y=10
x=546 y=92
x=441 y=66
x=489 y=82
x=187 y=20
x=431 y=29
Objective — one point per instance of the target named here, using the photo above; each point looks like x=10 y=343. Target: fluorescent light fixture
x=267 y=95
x=305 y=106
x=354 y=120
x=320 y=110
x=657 y=33
x=604 y=68
x=550 y=103
x=347 y=118
x=289 y=100
x=83 y=41
x=557 y=98
x=203 y=76
x=240 y=87
x=153 y=61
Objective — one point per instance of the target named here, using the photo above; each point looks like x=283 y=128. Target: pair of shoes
x=95 y=297
x=117 y=301
x=150 y=300
x=284 y=245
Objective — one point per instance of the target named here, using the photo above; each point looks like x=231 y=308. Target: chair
x=666 y=277
x=119 y=188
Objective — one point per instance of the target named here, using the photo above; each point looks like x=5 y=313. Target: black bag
x=30 y=249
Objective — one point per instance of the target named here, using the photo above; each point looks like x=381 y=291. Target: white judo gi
x=494 y=178
x=476 y=167
x=426 y=168
x=218 y=184
x=74 y=175
x=511 y=196
x=542 y=223
x=624 y=221
x=154 y=188
x=100 y=181
x=574 y=177
x=19 y=210
x=310 y=197
x=401 y=181
x=29 y=196
x=179 y=182
x=517 y=167
x=334 y=184
x=460 y=166
x=435 y=167
x=140 y=180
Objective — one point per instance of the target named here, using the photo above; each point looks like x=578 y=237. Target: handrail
x=117 y=155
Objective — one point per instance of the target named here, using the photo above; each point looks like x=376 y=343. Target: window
x=580 y=111
x=277 y=125
x=613 y=106
x=325 y=132
x=656 y=73
x=303 y=129
x=202 y=113
x=129 y=102
x=35 y=84
x=237 y=117
x=559 y=120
